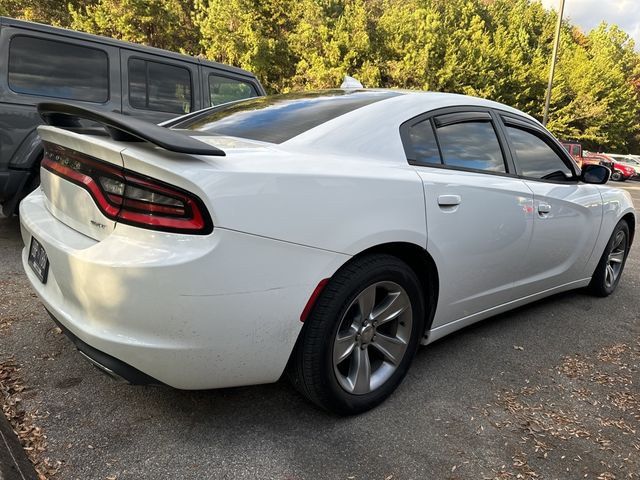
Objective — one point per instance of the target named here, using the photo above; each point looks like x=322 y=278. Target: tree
x=250 y=34
x=497 y=49
x=594 y=100
x=43 y=11
x=158 y=23
x=333 y=39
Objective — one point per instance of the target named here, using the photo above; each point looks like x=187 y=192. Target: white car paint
x=218 y=310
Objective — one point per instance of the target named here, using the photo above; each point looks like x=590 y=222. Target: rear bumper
x=106 y=363
x=192 y=312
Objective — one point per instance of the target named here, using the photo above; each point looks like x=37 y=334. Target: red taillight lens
x=128 y=197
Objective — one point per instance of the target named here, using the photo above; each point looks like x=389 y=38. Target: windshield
x=278 y=118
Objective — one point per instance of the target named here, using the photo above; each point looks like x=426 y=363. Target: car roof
x=64 y=32
x=361 y=131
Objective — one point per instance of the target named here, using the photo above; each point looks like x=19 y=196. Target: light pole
x=556 y=43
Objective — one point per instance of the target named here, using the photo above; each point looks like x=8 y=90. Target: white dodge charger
x=324 y=234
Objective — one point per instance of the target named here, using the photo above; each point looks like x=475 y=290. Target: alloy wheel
x=615 y=259
x=372 y=337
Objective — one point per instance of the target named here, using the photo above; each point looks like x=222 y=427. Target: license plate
x=38 y=260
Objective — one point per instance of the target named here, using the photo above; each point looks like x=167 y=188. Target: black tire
x=601 y=284
x=312 y=369
x=616 y=176
x=30 y=185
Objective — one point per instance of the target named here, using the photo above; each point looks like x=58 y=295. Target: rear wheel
x=361 y=337
x=609 y=270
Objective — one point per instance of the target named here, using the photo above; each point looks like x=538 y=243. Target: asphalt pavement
x=547 y=391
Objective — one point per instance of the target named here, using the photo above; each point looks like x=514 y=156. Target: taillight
x=128 y=197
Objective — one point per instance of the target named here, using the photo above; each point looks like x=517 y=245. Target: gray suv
x=39 y=63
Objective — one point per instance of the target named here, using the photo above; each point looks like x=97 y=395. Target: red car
x=619 y=171
x=622 y=172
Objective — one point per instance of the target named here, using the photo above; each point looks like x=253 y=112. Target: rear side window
x=159 y=86
x=423 y=148
x=223 y=90
x=536 y=159
x=471 y=145
x=57 y=69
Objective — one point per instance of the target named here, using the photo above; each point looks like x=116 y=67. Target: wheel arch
x=631 y=222
x=421 y=262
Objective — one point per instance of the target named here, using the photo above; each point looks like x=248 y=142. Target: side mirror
x=595 y=174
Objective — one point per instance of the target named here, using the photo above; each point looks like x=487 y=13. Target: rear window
x=278 y=118
x=57 y=69
x=224 y=89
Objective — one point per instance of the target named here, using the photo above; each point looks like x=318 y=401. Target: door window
x=536 y=159
x=471 y=145
x=223 y=90
x=577 y=150
x=58 y=69
x=159 y=86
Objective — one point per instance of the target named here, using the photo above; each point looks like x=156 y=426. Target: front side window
x=472 y=144
x=159 y=86
x=536 y=159
x=57 y=69
x=223 y=90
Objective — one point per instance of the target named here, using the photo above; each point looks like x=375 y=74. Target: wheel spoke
x=393 y=305
x=343 y=346
x=619 y=239
x=609 y=276
x=366 y=301
x=391 y=347
x=360 y=371
x=616 y=257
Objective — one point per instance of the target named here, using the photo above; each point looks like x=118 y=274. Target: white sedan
x=324 y=234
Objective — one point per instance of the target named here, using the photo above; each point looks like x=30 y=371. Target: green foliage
x=159 y=23
x=497 y=49
x=52 y=12
x=594 y=99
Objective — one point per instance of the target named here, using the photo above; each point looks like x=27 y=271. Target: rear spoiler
x=122 y=128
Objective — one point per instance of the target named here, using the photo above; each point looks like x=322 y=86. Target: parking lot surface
x=550 y=390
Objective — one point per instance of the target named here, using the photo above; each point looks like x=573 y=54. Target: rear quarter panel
x=336 y=203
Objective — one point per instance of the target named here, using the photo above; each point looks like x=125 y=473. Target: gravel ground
x=546 y=391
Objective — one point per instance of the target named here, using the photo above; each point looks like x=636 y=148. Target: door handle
x=544 y=208
x=449 y=200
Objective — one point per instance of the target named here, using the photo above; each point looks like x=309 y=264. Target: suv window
x=49 y=68
x=536 y=159
x=472 y=144
x=224 y=89
x=159 y=86
x=423 y=148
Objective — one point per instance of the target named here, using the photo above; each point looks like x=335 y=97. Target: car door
x=479 y=214
x=567 y=213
